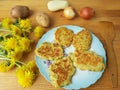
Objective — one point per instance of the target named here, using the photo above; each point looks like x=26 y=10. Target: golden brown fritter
x=82 y=40
x=88 y=60
x=61 y=72
x=64 y=36
x=49 y=51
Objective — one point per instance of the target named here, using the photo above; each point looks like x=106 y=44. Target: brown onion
x=86 y=12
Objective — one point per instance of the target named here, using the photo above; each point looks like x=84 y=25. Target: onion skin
x=87 y=13
x=69 y=13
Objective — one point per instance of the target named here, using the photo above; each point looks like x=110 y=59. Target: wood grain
x=105 y=10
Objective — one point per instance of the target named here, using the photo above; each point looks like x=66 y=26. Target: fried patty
x=82 y=40
x=49 y=51
x=61 y=72
x=64 y=36
x=88 y=60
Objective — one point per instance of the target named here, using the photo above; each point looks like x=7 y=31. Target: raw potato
x=20 y=11
x=56 y=5
x=43 y=19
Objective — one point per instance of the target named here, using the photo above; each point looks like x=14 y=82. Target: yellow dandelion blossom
x=16 y=54
x=24 y=43
x=6 y=65
x=10 y=43
x=25 y=24
x=6 y=22
x=26 y=75
x=16 y=30
x=38 y=31
x=32 y=66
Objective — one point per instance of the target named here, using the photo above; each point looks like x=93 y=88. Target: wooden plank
x=106 y=10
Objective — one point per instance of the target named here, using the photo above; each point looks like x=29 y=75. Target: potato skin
x=43 y=19
x=20 y=11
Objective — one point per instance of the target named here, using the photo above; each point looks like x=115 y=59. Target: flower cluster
x=6 y=65
x=6 y=23
x=14 y=42
x=26 y=74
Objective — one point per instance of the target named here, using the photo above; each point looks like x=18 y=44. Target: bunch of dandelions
x=20 y=27
x=26 y=73
x=14 y=42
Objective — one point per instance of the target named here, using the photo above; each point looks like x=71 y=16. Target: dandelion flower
x=38 y=31
x=6 y=22
x=25 y=24
x=6 y=65
x=10 y=43
x=32 y=66
x=16 y=54
x=26 y=74
x=16 y=30
x=24 y=44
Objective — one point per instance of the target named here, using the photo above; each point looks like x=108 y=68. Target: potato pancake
x=49 y=51
x=88 y=60
x=61 y=72
x=64 y=36
x=82 y=40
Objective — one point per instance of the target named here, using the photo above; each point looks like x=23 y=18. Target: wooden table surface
x=105 y=10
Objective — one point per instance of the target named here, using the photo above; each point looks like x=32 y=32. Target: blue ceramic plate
x=81 y=79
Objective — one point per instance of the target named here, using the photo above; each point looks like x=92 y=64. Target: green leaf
x=8 y=35
x=0 y=24
x=1 y=38
x=3 y=52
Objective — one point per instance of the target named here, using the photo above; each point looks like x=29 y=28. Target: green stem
x=2 y=55
x=0 y=24
x=19 y=63
x=1 y=46
x=4 y=59
x=3 y=29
